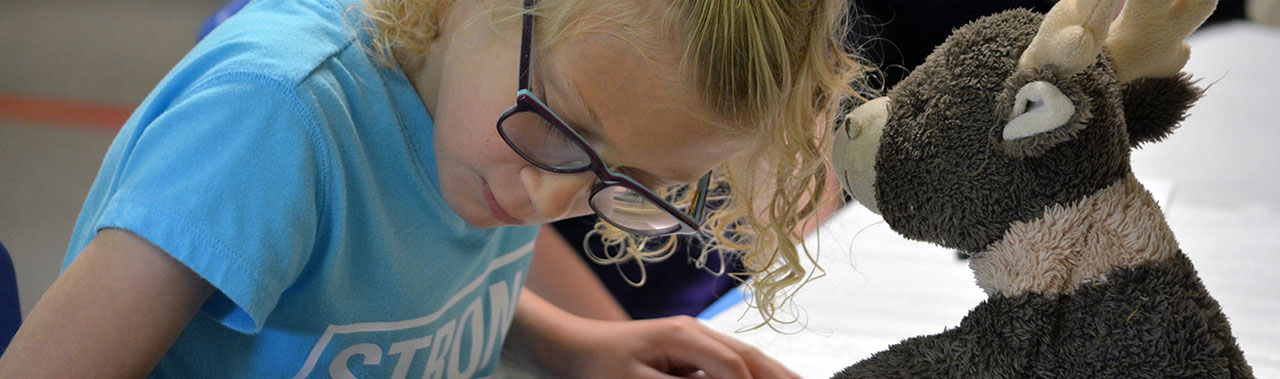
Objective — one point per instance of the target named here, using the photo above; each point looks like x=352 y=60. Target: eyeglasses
x=546 y=141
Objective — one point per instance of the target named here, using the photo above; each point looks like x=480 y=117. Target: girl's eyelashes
x=557 y=108
x=559 y=103
x=648 y=180
x=540 y=88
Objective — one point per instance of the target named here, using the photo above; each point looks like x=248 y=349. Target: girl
x=319 y=188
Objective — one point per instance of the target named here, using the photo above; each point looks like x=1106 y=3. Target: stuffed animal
x=1011 y=144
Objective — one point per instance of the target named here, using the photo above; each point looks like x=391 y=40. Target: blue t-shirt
x=283 y=165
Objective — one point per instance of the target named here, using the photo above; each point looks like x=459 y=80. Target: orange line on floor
x=68 y=113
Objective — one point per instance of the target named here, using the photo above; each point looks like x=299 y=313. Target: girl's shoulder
x=284 y=40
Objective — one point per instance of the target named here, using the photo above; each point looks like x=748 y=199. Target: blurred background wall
x=70 y=73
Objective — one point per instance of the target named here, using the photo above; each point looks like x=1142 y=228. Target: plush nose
x=857 y=139
x=557 y=196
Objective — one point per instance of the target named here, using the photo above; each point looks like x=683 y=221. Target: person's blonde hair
x=776 y=69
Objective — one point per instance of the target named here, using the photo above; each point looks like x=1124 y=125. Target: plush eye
x=1038 y=107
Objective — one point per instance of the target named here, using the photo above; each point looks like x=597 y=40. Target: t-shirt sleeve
x=227 y=180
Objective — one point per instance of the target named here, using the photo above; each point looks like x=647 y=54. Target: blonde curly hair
x=778 y=69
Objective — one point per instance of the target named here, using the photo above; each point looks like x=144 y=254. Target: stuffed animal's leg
x=999 y=338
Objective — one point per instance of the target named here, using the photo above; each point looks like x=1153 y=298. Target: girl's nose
x=557 y=196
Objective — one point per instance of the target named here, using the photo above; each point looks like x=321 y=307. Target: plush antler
x=1070 y=37
x=1146 y=41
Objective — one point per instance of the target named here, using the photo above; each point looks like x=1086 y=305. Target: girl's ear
x=1153 y=107
x=1038 y=111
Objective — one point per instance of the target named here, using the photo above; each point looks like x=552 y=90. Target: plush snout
x=857 y=139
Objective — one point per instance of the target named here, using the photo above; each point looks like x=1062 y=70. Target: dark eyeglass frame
x=526 y=101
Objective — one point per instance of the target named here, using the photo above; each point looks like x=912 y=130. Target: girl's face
x=636 y=112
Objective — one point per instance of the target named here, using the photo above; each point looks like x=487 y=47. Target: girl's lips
x=495 y=209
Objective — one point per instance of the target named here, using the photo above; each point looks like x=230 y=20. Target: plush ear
x=1153 y=107
x=1039 y=107
x=1038 y=110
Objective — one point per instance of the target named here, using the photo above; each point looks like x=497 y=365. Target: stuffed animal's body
x=1011 y=143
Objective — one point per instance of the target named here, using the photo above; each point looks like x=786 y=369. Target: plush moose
x=1011 y=144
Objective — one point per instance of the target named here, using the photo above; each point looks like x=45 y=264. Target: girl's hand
x=675 y=346
x=570 y=346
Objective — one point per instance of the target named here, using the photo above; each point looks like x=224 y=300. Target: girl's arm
x=571 y=346
x=559 y=276
x=113 y=313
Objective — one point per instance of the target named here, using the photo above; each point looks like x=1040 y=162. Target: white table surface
x=1216 y=177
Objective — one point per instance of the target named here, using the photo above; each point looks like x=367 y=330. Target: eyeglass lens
x=546 y=145
x=629 y=209
x=543 y=143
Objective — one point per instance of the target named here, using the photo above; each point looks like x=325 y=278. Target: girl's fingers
x=718 y=355
x=759 y=363
x=682 y=347
x=648 y=372
x=687 y=348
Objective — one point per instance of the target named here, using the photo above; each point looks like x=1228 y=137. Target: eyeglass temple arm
x=526 y=43
x=700 y=198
